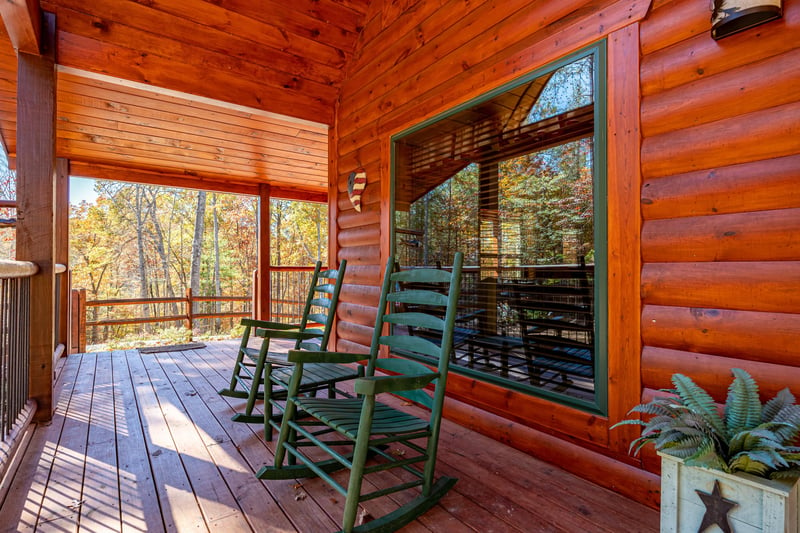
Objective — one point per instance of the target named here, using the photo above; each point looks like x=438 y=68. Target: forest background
x=142 y=241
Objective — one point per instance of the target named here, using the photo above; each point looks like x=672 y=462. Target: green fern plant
x=746 y=437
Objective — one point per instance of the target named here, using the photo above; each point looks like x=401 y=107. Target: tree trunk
x=158 y=237
x=143 y=277
x=217 y=281
x=197 y=243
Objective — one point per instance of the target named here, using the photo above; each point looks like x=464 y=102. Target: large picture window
x=515 y=180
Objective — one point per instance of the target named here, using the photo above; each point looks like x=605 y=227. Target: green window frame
x=406 y=142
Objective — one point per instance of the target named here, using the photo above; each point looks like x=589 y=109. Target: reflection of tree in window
x=509 y=181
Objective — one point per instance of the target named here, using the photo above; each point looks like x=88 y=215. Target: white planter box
x=763 y=504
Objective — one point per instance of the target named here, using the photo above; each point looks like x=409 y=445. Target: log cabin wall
x=720 y=201
x=415 y=60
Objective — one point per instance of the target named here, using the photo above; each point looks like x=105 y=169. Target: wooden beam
x=206 y=183
x=264 y=261
x=165 y=179
x=62 y=247
x=624 y=263
x=36 y=110
x=23 y=20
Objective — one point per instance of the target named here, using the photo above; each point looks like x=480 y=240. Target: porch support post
x=264 y=261
x=36 y=162
x=62 y=248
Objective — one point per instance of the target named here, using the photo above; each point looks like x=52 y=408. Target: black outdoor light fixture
x=733 y=16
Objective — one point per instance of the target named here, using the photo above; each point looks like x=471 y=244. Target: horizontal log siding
x=414 y=62
x=720 y=201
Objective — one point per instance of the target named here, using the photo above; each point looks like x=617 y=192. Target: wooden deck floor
x=142 y=442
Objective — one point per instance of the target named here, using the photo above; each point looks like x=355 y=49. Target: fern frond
x=758 y=462
x=789 y=419
x=743 y=406
x=699 y=401
x=790 y=475
x=754 y=439
x=784 y=398
x=683 y=446
x=706 y=455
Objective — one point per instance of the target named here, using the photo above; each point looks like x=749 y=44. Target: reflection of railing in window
x=533 y=325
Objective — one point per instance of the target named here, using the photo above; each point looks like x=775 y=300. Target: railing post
x=74 y=302
x=81 y=320
x=189 y=314
x=254 y=299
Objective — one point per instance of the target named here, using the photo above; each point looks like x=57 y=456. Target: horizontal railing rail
x=80 y=305
x=289 y=287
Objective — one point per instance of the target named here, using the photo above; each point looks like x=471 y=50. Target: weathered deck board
x=142 y=442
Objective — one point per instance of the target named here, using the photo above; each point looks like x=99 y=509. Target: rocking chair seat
x=314 y=374
x=344 y=415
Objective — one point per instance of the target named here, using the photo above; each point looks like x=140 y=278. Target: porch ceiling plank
x=230 y=115
x=195 y=54
x=324 y=22
x=253 y=43
x=149 y=150
x=164 y=143
x=102 y=120
x=23 y=21
x=107 y=58
x=216 y=123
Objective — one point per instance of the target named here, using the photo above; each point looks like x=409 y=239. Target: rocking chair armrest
x=376 y=384
x=306 y=356
x=267 y=325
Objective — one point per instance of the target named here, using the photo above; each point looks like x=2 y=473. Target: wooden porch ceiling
x=234 y=92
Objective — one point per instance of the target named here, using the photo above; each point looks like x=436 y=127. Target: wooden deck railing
x=16 y=409
x=188 y=316
x=289 y=286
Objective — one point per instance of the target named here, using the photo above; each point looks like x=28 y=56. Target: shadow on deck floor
x=142 y=442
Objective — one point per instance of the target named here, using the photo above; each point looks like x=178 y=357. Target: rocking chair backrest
x=323 y=294
x=423 y=299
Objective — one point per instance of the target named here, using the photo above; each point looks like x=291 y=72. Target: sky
x=81 y=189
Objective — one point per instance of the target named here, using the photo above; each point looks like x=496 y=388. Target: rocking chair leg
x=357 y=470
x=268 y=403
x=231 y=390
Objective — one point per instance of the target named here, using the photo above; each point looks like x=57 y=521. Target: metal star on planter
x=717 y=509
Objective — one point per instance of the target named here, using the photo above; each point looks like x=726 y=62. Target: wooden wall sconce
x=733 y=16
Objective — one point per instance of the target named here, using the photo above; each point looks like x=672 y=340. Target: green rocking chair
x=350 y=430
x=252 y=373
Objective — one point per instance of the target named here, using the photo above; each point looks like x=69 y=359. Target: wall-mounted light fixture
x=733 y=16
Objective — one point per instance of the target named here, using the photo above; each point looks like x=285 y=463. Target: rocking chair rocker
x=351 y=429
x=254 y=368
